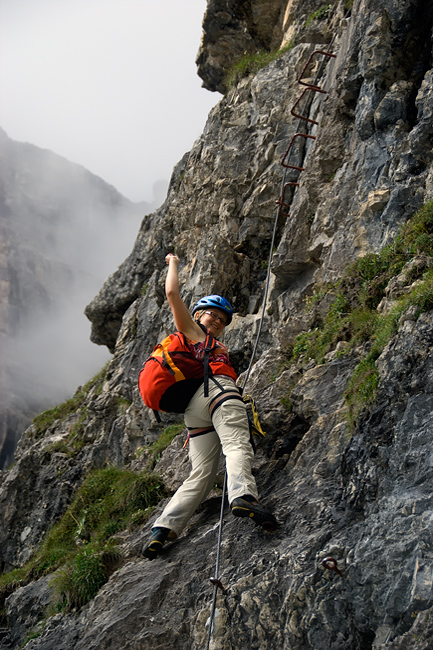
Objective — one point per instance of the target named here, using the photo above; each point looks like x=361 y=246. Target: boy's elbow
x=171 y=293
x=173 y=297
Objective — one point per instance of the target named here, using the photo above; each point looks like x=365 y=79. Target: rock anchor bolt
x=331 y=564
x=217 y=583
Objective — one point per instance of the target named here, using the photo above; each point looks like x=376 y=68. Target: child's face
x=214 y=320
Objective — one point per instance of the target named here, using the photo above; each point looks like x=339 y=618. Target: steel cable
x=216 y=582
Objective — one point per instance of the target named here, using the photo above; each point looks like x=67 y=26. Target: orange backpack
x=171 y=375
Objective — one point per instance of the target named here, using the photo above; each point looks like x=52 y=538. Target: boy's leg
x=231 y=424
x=230 y=420
x=204 y=453
x=225 y=410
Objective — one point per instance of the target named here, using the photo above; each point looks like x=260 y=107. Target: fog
x=66 y=232
x=110 y=85
x=79 y=235
x=51 y=338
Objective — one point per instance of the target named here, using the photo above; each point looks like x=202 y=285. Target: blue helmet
x=215 y=301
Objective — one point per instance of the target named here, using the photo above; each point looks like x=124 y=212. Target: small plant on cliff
x=250 y=64
x=167 y=436
x=80 y=579
x=154 y=451
x=321 y=14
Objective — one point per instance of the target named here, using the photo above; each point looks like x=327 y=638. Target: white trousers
x=230 y=433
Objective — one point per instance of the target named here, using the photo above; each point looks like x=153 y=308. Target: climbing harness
x=282 y=211
x=221 y=398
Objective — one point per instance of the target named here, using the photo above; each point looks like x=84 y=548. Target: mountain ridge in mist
x=63 y=230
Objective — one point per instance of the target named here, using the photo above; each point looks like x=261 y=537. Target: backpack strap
x=209 y=345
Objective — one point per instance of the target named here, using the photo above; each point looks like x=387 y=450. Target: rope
x=265 y=295
x=217 y=564
x=215 y=580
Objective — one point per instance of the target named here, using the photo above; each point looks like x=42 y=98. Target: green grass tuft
x=166 y=437
x=251 y=64
x=81 y=547
x=321 y=14
x=80 y=579
x=46 y=419
x=362 y=388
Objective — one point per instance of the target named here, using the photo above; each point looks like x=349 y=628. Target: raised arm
x=182 y=318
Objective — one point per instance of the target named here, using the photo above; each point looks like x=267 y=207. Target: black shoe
x=247 y=506
x=155 y=543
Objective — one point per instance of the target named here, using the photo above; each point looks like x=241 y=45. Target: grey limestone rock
x=361 y=497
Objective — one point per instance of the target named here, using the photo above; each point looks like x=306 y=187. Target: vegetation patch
x=250 y=64
x=80 y=579
x=30 y=637
x=81 y=547
x=46 y=419
x=321 y=14
x=353 y=317
x=164 y=440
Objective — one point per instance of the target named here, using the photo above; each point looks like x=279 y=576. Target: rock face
x=58 y=223
x=361 y=497
x=231 y=30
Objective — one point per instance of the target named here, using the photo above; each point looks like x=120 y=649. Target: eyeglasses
x=216 y=317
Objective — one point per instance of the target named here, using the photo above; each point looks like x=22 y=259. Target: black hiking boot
x=247 y=506
x=155 y=543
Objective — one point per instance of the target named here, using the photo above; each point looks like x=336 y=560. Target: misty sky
x=108 y=84
x=111 y=85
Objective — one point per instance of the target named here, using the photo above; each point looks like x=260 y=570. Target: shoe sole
x=263 y=519
x=153 y=549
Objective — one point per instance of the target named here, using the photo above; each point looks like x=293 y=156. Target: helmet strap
x=198 y=315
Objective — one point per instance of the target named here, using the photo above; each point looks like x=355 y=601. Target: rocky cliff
x=342 y=373
x=63 y=230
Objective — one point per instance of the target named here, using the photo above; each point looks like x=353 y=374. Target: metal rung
x=282 y=200
x=283 y=160
x=302 y=117
x=283 y=204
x=304 y=83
